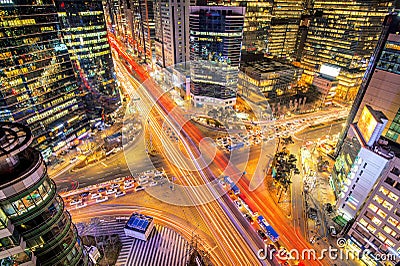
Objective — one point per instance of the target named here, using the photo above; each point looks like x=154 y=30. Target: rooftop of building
x=265 y=66
x=138 y=222
x=327 y=77
x=383 y=147
x=378 y=115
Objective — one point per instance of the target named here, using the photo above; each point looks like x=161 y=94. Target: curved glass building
x=34 y=224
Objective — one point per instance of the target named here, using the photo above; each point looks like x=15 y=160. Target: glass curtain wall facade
x=85 y=34
x=216 y=34
x=379 y=87
x=343 y=33
x=29 y=202
x=256 y=24
x=38 y=84
x=285 y=22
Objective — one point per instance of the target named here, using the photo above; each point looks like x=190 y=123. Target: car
x=120 y=194
x=75 y=202
x=73 y=160
x=84 y=194
x=81 y=205
x=312 y=240
x=143 y=182
x=238 y=204
x=114 y=186
x=96 y=195
x=143 y=177
x=102 y=189
x=262 y=234
x=111 y=191
x=154 y=183
x=332 y=230
x=222 y=183
x=249 y=218
x=158 y=177
x=127 y=186
x=139 y=188
x=101 y=199
x=128 y=181
x=329 y=208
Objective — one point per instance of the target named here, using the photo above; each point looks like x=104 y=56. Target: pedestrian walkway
x=163 y=247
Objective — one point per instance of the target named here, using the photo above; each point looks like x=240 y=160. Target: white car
x=143 y=182
x=114 y=186
x=101 y=199
x=154 y=183
x=73 y=160
x=111 y=191
x=96 y=195
x=131 y=185
x=143 y=177
x=120 y=194
x=128 y=181
x=75 y=202
x=81 y=205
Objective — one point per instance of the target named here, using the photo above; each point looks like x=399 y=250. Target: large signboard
x=367 y=124
x=329 y=70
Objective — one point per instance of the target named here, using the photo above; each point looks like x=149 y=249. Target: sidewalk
x=87 y=147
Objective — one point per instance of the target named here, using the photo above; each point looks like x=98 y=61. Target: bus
x=271 y=233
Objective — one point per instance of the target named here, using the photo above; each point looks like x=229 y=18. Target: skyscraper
x=256 y=24
x=216 y=34
x=32 y=215
x=343 y=33
x=381 y=81
x=171 y=32
x=38 y=84
x=285 y=22
x=85 y=34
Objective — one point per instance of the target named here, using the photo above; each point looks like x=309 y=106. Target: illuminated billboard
x=329 y=70
x=371 y=124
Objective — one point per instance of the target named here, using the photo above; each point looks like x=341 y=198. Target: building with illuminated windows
x=216 y=34
x=272 y=78
x=171 y=32
x=35 y=228
x=256 y=24
x=377 y=227
x=343 y=33
x=381 y=81
x=360 y=162
x=85 y=34
x=284 y=30
x=38 y=83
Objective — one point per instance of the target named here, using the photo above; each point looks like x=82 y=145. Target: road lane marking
x=104 y=164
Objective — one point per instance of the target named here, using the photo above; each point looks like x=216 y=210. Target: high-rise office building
x=256 y=24
x=38 y=85
x=148 y=27
x=377 y=226
x=366 y=178
x=32 y=215
x=285 y=22
x=381 y=81
x=171 y=32
x=85 y=34
x=216 y=34
x=343 y=33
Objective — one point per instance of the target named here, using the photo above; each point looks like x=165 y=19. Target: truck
x=271 y=233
